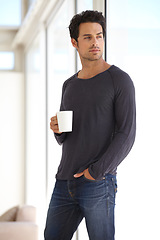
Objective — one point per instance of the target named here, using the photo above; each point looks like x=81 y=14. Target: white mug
x=65 y=121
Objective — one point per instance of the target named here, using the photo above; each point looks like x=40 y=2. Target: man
x=102 y=99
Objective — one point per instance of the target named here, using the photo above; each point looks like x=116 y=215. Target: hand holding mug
x=62 y=122
x=54 y=125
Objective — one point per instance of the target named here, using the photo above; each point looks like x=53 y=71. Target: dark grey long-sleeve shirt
x=104 y=123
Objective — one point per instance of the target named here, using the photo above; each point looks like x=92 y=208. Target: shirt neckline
x=84 y=79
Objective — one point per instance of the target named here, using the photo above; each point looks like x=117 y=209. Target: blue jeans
x=74 y=200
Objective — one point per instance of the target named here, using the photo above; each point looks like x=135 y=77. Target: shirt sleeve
x=61 y=137
x=125 y=128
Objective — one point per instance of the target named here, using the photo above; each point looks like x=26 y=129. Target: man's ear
x=74 y=43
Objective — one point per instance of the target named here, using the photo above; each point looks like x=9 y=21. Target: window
x=6 y=60
x=35 y=129
x=10 y=13
x=61 y=65
x=133 y=45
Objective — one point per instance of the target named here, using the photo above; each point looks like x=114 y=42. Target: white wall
x=11 y=139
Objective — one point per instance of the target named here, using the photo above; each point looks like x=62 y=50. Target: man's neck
x=93 y=68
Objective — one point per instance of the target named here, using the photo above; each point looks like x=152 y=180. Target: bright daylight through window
x=6 y=60
x=10 y=13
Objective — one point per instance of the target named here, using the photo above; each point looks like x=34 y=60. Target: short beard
x=92 y=60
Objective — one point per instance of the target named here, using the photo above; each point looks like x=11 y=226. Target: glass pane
x=61 y=65
x=6 y=60
x=33 y=112
x=10 y=12
x=133 y=45
x=35 y=118
x=83 y=5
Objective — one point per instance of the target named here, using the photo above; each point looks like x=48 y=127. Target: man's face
x=90 y=42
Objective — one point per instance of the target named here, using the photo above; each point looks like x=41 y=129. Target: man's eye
x=87 y=38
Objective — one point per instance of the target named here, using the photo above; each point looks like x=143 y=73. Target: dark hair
x=86 y=16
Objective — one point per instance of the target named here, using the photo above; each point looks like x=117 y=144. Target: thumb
x=77 y=175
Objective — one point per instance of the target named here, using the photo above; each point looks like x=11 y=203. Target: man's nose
x=95 y=42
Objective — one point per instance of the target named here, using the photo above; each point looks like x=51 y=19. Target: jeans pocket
x=88 y=180
x=93 y=181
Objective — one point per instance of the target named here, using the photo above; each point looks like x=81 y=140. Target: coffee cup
x=65 y=121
